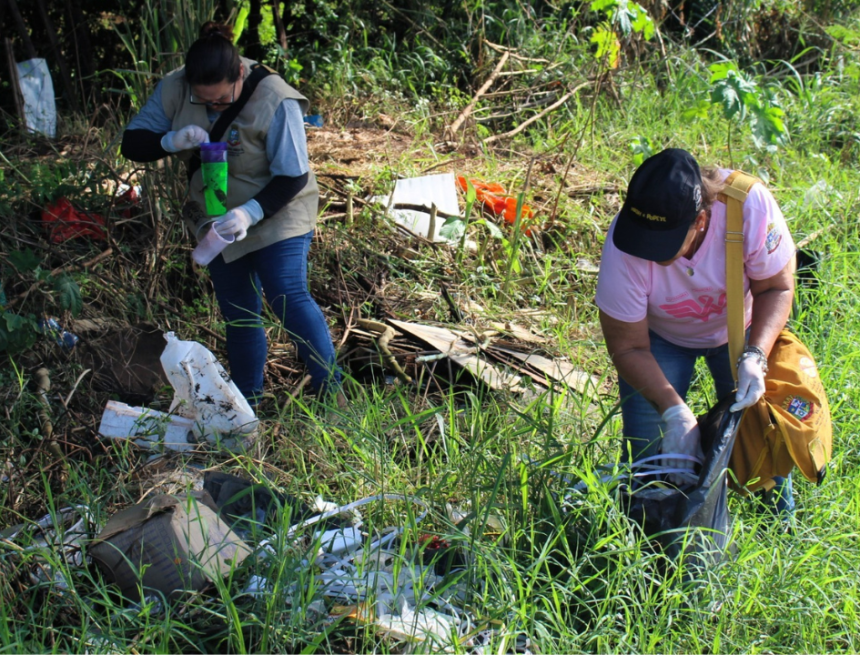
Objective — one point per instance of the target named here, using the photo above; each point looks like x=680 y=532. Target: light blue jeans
x=643 y=426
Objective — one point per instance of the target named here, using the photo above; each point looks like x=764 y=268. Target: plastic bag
x=65 y=222
x=691 y=522
x=37 y=90
x=204 y=391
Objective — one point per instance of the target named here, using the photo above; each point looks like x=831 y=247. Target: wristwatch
x=754 y=351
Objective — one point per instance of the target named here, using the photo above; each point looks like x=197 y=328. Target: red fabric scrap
x=65 y=222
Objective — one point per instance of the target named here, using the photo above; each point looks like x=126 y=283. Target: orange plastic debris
x=495 y=198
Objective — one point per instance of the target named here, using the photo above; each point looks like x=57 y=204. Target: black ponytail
x=212 y=58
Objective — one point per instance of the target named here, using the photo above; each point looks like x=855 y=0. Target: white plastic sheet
x=37 y=89
x=440 y=189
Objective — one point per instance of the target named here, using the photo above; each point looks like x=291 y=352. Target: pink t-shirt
x=690 y=310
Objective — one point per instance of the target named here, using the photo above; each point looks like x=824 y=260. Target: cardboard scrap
x=462 y=353
x=557 y=370
x=169 y=544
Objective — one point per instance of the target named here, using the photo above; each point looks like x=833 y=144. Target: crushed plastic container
x=148 y=428
x=205 y=392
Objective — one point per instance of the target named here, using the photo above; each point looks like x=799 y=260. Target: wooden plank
x=462 y=354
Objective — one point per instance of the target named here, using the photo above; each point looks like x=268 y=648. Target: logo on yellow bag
x=808 y=367
x=799 y=407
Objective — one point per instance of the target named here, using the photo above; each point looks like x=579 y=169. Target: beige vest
x=248 y=165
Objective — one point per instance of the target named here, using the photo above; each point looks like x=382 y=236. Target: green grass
x=568 y=577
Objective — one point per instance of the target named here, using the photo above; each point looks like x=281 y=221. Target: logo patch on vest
x=233 y=137
x=774 y=237
x=799 y=407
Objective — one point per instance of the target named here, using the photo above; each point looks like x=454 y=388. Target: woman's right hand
x=190 y=136
x=680 y=437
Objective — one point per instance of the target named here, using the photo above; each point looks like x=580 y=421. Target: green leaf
x=42 y=275
x=735 y=94
x=643 y=24
x=844 y=34
x=607 y=46
x=642 y=148
x=768 y=127
x=513 y=260
x=721 y=69
x=24 y=260
x=697 y=112
x=14 y=321
x=453 y=229
x=492 y=228
x=69 y=294
x=600 y=5
x=725 y=96
x=17 y=333
x=471 y=194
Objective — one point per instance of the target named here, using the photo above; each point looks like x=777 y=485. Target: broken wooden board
x=518 y=332
x=463 y=354
x=557 y=370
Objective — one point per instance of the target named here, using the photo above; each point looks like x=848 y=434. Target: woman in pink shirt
x=662 y=298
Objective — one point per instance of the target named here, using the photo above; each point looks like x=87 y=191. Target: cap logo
x=697 y=196
x=650 y=217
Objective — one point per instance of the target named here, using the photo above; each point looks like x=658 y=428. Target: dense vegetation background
x=577 y=94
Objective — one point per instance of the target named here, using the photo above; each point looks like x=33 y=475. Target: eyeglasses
x=212 y=103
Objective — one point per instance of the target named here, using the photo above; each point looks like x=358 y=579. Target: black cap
x=663 y=199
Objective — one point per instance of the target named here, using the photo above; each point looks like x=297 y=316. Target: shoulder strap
x=258 y=72
x=733 y=195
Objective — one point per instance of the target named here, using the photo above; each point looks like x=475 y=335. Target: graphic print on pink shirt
x=703 y=309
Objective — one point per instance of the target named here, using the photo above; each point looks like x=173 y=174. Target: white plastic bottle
x=204 y=391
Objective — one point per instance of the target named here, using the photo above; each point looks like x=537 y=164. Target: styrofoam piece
x=148 y=428
x=426 y=190
x=418 y=624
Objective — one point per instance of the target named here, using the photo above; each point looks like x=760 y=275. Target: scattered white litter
x=423 y=191
x=148 y=428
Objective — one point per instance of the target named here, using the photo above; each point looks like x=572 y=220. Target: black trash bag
x=244 y=504
x=691 y=522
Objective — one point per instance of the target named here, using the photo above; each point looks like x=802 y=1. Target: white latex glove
x=750 y=384
x=682 y=437
x=239 y=219
x=190 y=136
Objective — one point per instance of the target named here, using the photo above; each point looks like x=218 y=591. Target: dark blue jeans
x=281 y=272
x=643 y=426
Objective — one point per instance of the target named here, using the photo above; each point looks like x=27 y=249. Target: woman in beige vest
x=272 y=198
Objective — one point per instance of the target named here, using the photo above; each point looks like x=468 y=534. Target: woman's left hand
x=750 y=383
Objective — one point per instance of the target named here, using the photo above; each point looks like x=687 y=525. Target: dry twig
x=536 y=117
x=455 y=126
